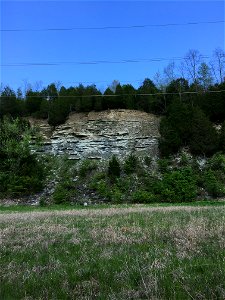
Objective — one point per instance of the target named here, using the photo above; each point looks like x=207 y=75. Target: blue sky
x=69 y=48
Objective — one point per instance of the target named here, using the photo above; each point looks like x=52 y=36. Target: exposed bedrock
x=102 y=134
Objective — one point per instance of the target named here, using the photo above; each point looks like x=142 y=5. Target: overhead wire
x=120 y=95
x=95 y=62
x=110 y=27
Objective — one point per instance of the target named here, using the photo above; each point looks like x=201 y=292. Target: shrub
x=103 y=189
x=42 y=201
x=147 y=161
x=178 y=186
x=142 y=196
x=116 y=195
x=164 y=165
x=184 y=159
x=86 y=167
x=213 y=184
x=130 y=164
x=61 y=195
x=95 y=179
x=126 y=183
x=217 y=162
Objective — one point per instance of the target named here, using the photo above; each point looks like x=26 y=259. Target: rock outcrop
x=99 y=135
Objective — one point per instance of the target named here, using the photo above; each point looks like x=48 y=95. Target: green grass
x=29 y=208
x=126 y=252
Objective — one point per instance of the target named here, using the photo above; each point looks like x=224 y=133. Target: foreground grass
x=139 y=252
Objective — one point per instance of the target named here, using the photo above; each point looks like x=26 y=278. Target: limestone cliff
x=101 y=134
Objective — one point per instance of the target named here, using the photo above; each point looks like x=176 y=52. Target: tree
x=33 y=101
x=129 y=96
x=114 y=168
x=147 y=102
x=58 y=112
x=8 y=103
x=187 y=126
x=192 y=62
x=205 y=76
x=114 y=85
x=119 y=100
x=169 y=72
x=177 y=86
x=203 y=136
x=170 y=141
x=161 y=84
x=20 y=170
x=218 y=65
x=90 y=99
x=175 y=128
x=51 y=92
x=109 y=102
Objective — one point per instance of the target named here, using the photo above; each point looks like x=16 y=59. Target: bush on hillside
x=178 y=186
x=130 y=164
x=213 y=183
x=86 y=167
x=142 y=196
x=61 y=195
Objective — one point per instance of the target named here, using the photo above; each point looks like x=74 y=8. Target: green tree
x=58 y=112
x=203 y=136
x=8 y=103
x=187 y=126
x=177 y=87
x=20 y=170
x=170 y=140
x=205 y=76
x=89 y=100
x=129 y=96
x=33 y=102
x=114 y=168
x=147 y=102
x=109 y=102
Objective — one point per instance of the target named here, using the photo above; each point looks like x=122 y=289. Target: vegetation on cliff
x=21 y=171
x=193 y=117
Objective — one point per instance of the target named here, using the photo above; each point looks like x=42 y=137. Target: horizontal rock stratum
x=99 y=135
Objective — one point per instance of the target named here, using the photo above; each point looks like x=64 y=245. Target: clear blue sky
x=88 y=45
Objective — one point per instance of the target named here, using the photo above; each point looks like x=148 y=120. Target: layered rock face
x=99 y=135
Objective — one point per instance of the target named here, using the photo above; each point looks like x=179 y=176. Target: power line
x=120 y=95
x=110 y=27
x=94 y=62
x=104 y=81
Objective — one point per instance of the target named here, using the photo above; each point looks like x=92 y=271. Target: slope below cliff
x=102 y=134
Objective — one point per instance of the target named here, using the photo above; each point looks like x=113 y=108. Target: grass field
x=133 y=252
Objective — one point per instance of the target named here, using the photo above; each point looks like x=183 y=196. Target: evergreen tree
x=20 y=170
x=8 y=103
x=114 y=168
x=33 y=102
x=204 y=137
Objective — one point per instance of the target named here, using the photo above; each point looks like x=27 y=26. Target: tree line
x=184 y=94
